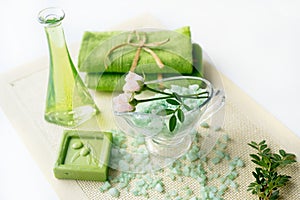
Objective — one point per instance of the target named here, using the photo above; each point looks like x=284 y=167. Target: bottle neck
x=51 y=18
x=55 y=37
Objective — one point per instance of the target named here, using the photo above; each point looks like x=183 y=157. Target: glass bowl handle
x=216 y=103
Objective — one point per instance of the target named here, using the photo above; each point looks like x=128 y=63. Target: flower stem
x=157 y=91
x=153 y=99
x=193 y=95
x=171 y=95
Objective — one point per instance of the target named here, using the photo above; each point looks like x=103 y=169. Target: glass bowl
x=152 y=119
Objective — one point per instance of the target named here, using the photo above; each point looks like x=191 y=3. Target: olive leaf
x=180 y=115
x=179 y=112
x=177 y=97
x=165 y=112
x=173 y=102
x=186 y=107
x=172 y=123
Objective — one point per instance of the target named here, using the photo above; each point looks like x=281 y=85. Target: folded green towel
x=109 y=82
x=176 y=54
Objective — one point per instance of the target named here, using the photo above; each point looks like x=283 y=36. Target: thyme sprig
x=267 y=179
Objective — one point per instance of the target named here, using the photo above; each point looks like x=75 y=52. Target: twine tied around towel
x=140 y=44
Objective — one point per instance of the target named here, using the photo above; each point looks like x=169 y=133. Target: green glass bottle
x=68 y=102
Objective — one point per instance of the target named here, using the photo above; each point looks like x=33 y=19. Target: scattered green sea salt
x=222 y=179
x=173 y=193
x=220 y=154
x=203 y=159
x=192 y=156
x=231 y=167
x=213 y=189
x=105 y=186
x=219 y=128
x=114 y=192
x=140 y=191
x=135 y=192
x=225 y=137
x=167 y=197
x=227 y=156
x=222 y=189
x=215 y=160
x=180 y=179
x=193 y=164
x=177 y=171
x=178 y=198
x=186 y=171
x=232 y=175
x=140 y=182
x=122 y=185
x=189 y=192
x=186 y=187
x=159 y=187
x=204 y=125
x=172 y=177
x=240 y=163
x=213 y=176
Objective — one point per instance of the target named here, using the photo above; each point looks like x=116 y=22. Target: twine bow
x=141 y=44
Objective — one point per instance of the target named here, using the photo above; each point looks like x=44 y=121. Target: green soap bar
x=83 y=155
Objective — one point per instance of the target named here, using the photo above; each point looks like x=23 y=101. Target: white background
x=255 y=43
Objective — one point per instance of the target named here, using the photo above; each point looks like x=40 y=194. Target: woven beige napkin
x=237 y=125
x=241 y=130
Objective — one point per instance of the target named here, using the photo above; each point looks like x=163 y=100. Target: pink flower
x=134 y=82
x=121 y=103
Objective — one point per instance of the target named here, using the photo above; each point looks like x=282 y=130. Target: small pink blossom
x=133 y=76
x=134 y=82
x=121 y=103
x=131 y=86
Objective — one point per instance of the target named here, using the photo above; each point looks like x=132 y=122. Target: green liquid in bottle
x=68 y=101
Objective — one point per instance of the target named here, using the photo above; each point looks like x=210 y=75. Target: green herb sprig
x=267 y=180
x=175 y=99
x=135 y=84
x=176 y=113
